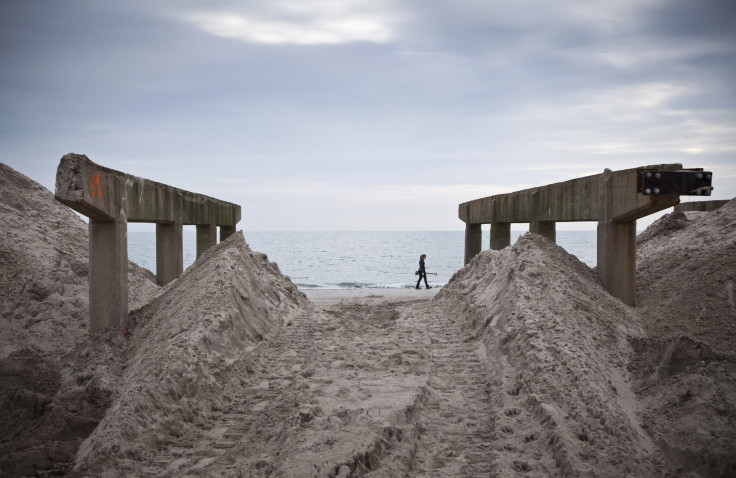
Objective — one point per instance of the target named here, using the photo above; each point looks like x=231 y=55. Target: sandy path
x=335 y=391
x=365 y=385
x=455 y=424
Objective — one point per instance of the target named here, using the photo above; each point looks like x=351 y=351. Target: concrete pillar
x=617 y=258
x=473 y=241
x=206 y=237
x=226 y=231
x=547 y=229
x=500 y=235
x=169 y=252
x=616 y=244
x=108 y=275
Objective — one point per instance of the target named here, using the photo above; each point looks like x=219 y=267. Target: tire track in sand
x=455 y=424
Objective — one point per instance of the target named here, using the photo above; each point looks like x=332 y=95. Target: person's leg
x=425 y=281
x=419 y=281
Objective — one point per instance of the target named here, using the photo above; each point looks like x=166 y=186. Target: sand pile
x=188 y=357
x=558 y=348
x=51 y=393
x=523 y=365
x=686 y=274
x=687 y=367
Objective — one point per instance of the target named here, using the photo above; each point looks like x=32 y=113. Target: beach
x=327 y=297
x=521 y=365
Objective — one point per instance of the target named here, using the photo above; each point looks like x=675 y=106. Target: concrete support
x=206 y=237
x=111 y=199
x=616 y=199
x=547 y=229
x=616 y=242
x=169 y=252
x=473 y=241
x=108 y=274
x=617 y=258
x=226 y=231
x=702 y=206
x=500 y=235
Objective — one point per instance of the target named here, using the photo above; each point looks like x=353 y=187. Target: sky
x=368 y=114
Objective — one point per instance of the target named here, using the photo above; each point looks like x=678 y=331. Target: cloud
x=445 y=94
x=306 y=22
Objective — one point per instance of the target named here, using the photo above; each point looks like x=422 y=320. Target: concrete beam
x=568 y=201
x=702 y=206
x=106 y=194
x=111 y=199
x=615 y=199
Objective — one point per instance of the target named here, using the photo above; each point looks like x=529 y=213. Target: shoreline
x=326 y=297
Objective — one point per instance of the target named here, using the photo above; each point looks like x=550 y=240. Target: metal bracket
x=686 y=182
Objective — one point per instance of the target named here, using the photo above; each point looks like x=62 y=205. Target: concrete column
x=206 y=237
x=169 y=252
x=547 y=229
x=616 y=244
x=108 y=275
x=473 y=241
x=500 y=235
x=226 y=231
x=617 y=258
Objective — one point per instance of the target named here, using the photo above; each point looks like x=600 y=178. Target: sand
x=523 y=365
x=51 y=393
x=328 y=297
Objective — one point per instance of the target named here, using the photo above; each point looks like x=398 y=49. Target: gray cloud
x=453 y=94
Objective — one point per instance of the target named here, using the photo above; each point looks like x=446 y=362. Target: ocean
x=351 y=259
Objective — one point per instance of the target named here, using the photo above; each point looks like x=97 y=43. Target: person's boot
x=417 y=287
x=429 y=287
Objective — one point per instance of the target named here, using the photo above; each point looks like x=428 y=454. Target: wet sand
x=327 y=297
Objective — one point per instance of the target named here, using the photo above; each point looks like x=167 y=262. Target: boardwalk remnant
x=701 y=206
x=615 y=199
x=111 y=199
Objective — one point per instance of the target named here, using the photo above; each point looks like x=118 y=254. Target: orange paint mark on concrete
x=94 y=185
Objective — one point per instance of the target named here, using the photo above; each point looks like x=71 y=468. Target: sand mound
x=687 y=367
x=50 y=395
x=686 y=275
x=523 y=365
x=188 y=354
x=558 y=347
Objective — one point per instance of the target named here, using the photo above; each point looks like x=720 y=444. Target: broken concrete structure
x=700 y=206
x=615 y=199
x=111 y=199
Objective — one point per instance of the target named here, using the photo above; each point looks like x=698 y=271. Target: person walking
x=422 y=272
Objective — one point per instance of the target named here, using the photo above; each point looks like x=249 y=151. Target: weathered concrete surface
x=702 y=206
x=169 y=252
x=500 y=235
x=111 y=199
x=615 y=199
x=206 y=237
x=108 y=274
x=106 y=194
x=473 y=241
x=568 y=201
